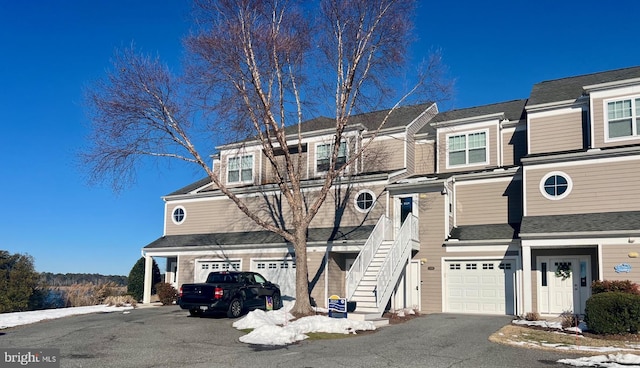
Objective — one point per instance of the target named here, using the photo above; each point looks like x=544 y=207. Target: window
x=364 y=200
x=240 y=169
x=179 y=215
x=467 y=149
x=622 y=118
x=555 y=185
x=454 y=266
x=323 y=156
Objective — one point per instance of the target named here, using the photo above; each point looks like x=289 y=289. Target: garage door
x=480 y=286
x=204 y=267
x=281 y=272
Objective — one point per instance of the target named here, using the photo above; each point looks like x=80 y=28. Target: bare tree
x=252 y=68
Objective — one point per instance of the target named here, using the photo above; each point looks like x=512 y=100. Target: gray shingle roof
x=513 y=110
x=485 y=232
x=354 y=233
x=572 y=87
x=587 y=222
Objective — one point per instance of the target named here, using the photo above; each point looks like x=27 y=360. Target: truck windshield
x=222 y=278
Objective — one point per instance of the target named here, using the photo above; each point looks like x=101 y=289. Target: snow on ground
x=24 y=318
x=618 y=360
x=277 y=327
x=605 y=361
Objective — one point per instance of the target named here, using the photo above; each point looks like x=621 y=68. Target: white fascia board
x=581 y=158
x=631 y=83
x=489 y=176
x=556 y=104
x=471 y=125
x=557 y=111
x=582 y=237
x=473 y=120
x=477 y=246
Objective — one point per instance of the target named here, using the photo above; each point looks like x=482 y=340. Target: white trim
x=600 y=265
x=344 y=140
x=533 y=166
x=184 y=213
x=480 y=248
x=635 y=129
x=487 y=156
x=527 y=297
x=541 y=185
x=253 y=168
x=488 y=180
x=524 y=192
x=373 y=203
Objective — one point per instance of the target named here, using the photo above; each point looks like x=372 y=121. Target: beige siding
x=425 y=160
x=514 y=146
x=613 y=255
x=599 y=121
x=488 y=202
x=384 y=154
x=492 y=149
x=220 y=214
x=337 y=274
x=315 y=264
x=597 y=187
x=562 y=132
x=432 y=235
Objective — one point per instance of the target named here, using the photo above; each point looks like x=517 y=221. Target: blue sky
x=495 y=51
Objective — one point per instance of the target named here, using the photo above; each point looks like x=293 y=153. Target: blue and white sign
x=337 y=307
x=622 y=267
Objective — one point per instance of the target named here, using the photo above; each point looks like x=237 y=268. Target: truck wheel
x=194 y=312
x=277 y=301
x=235 y=308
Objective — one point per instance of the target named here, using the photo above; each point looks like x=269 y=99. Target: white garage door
x=281 y=272
x=480 y=286
x=204 y=267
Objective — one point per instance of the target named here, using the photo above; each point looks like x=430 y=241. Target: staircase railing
x=394 y=264
x=380 y=233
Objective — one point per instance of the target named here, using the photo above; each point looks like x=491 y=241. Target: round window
x=364 y=200
x=179 y=215
x=555 y=185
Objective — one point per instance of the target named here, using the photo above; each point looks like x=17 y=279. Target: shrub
x=166 y=293
x=18 y=282
x=568 y=319
x=532 y=316
x=623 y=286
x=613 y=313
x=120 y=301
x=85 y=294
x=135 y=282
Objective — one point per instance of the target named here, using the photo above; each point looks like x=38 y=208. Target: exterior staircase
x=377 y=269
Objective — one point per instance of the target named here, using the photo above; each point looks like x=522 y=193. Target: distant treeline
x=68 y=279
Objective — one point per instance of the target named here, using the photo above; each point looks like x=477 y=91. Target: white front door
x=563 y=284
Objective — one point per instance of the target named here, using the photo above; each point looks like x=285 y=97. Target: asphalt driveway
x=167 y=337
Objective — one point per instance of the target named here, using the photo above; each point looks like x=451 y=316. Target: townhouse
x=505 y=208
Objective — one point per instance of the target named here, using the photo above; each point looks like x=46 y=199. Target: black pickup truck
x=231 y=292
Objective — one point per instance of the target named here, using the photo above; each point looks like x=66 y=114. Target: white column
x=148 y=268
x=526 y=279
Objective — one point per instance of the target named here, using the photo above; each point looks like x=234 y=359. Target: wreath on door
x=563 y=271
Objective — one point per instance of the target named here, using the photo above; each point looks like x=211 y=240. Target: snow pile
x=606 y=361
x=551 y=325
x=23 y=318
x=276 y=327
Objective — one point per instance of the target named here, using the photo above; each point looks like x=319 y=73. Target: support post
x=148 y=270
x=526 y=279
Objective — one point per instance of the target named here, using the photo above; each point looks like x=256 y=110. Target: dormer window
x=240 y=169
x=323 y=156
x=622 y=118
x=467 y=149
